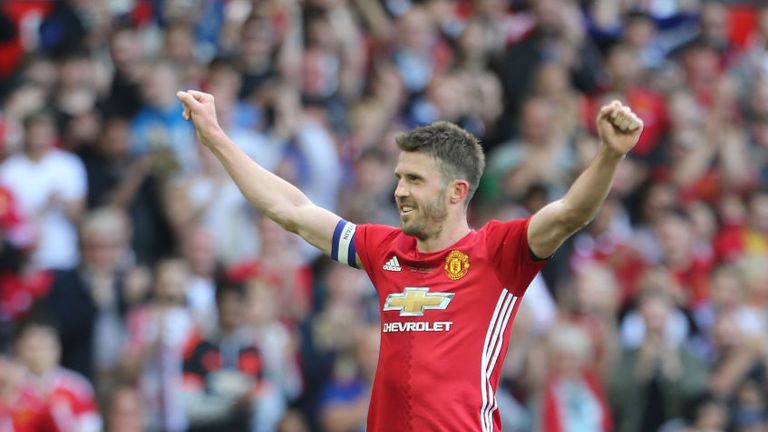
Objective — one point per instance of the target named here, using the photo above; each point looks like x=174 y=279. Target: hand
x=618 y=127
x=54 y=201
x=201 y=109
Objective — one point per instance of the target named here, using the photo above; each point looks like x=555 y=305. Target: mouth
x=406 y=210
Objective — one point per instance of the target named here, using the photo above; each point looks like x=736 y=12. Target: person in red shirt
x=21 y=409
x=448 y=293
x=748 y=238
x=67 y=394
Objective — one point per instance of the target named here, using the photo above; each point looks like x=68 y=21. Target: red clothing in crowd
x=72 y=402
x=553 y=417
x=27 y=412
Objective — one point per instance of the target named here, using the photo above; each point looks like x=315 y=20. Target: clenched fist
x=618 y=127
x=201 y=109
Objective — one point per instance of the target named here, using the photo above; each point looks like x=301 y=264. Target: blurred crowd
x=140 y=292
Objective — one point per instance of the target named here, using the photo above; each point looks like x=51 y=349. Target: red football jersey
x=445 y=321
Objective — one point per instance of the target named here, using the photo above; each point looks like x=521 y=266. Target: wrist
x=213 y=136
x=608 y=152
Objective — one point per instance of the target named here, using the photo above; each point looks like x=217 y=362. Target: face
x=230 y=310
x=159 y=86
x=125 y=414
x=420 y=195
x=758 y=212
x=200 y=252
x=655 y=312
x=40 y=136
x=535 y=119
x=102 y=251
x=171 y=279
x=116 y=142
x=38 y=349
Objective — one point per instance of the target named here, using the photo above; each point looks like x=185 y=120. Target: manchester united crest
x=456 y=264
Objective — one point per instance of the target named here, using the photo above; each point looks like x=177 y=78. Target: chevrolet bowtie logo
x=413 y=301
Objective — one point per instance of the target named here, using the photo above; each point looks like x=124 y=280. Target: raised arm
x=274 y=197
x=619 y=129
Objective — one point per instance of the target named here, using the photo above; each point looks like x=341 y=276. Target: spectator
x=419 y=54
x=224 y=384
x=276 y=341
x=20 y=407
x=540 y=154
x=51 y=187
x=158 y=126
x=158 y=332
x=68 y=395
x=750 y=238
x=343 y=407
x=652 y=383
x=126 y=53
x=209 y=201
x=573 y=397
x=736 y=358
x=89 y=303
x=125 y=413
x=131 y=183
x=197 y=249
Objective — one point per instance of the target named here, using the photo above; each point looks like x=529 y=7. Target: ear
x=458 y=191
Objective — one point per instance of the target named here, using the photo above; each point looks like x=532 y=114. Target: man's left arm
x=619 y=129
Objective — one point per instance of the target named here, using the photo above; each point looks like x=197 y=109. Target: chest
x=33 y=183
x=455 y=283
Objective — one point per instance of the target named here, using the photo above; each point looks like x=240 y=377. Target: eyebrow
x=409 y=175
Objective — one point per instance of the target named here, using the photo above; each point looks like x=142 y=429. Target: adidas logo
x=392 y=265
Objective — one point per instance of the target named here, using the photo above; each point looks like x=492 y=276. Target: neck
x=452 y=232
x=35 y=156
x=226 y=330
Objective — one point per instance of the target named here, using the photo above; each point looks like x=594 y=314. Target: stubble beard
x=429 y=221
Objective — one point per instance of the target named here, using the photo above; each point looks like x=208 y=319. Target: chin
x=413 y=231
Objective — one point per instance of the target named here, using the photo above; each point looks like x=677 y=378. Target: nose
x=401 y=190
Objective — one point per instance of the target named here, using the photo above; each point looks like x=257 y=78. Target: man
x=448 y=293
x=21 y=408
x=89 y=303
x=50 y=185
x=68 y=395
x=225 y=389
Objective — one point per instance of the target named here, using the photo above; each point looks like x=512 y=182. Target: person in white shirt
x=51 y=187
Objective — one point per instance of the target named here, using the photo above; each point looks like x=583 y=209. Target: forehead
x=416 y=162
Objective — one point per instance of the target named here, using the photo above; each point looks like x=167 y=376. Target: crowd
x=140 y=292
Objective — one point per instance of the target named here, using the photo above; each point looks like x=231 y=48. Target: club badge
x=456 y=264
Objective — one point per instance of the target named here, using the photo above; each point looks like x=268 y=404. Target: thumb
x=187 y=99
x=189 y=103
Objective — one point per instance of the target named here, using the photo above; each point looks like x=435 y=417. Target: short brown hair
x=458 y=152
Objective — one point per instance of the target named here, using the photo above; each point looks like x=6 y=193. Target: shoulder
x=64 y=158
x=74 y=383
x=374 y=235
x=12 y=163
x=513 y=226
x=381 y=231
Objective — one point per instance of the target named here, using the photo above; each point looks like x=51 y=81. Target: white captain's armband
x=343 y=244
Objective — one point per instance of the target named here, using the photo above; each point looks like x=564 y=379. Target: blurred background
x=140 y=292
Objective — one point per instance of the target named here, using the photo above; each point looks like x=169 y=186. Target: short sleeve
x=74 y=184
x=371 y=243
x=513 y=261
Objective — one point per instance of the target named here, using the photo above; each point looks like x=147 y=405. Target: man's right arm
x=271 y=195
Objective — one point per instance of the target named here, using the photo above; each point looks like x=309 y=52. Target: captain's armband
x=343 y=244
